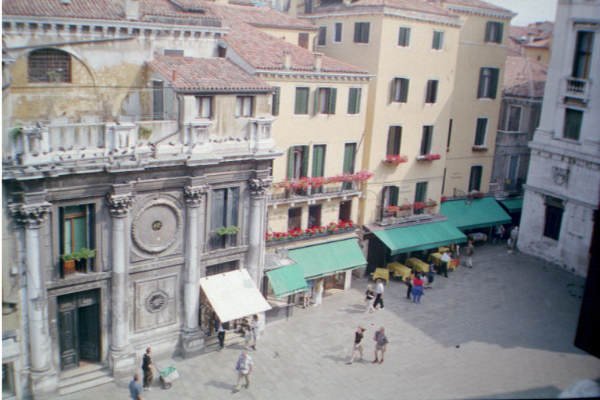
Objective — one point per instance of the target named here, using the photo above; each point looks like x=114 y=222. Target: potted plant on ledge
x=227 y=230
x=70 y=260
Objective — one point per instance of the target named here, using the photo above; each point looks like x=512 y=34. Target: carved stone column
x=122 y=359
x=256 y=247
x=192 y=337
x=43 y=377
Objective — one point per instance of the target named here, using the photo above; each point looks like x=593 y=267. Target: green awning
x=287 y=280
x=328 y=258
x=512 y=205
x=476 y=213
x=420 y=237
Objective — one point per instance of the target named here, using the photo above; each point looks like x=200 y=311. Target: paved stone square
x=502 y=329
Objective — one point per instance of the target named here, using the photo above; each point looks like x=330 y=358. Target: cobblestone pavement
x=502 y=329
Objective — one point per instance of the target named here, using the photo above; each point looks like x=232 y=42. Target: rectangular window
x=488 y=83
x=275 y=100
x=448 y=141
x=475 y=178
x=301 y=104
x=326 y=100
x=158 y=101
x=337 y=37
x=572 y=125
x=297 y=162
x=513 y=119
x=480 y=131
x=224 y=213
x=420 y=195
x=426 y=138
x=553 y=217
x=389 y=196
x=583 y=55
x=354 y=100
x=431 y=93
x=345 y=213
x=438 y=40
x=318 y=164
x=349 y=160
x=399 y=90
x=8 y=380
x=314 y=216
x=322 y=36
x=394 y=140
x=77 y=232
x=244 y=106
x=294 y=218
x=303 y=40
x=361 y=32
x=204 y=104
x=493 y=32
x=404 y=37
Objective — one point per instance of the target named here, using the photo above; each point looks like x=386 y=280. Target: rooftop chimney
x=318 y=61
x=132 y=9
x=287 y=60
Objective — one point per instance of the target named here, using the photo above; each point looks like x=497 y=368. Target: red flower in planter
x=429 y=157
x=443 y=199
x=392 y=209
x=395 y=159
x=404 y=207
x=419 y=205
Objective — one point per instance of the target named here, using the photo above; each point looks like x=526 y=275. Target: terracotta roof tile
x=259 y=16
x=524 y=77
x=92 y=9
x=206 y=75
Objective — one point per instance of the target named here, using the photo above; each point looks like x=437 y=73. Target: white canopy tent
x=233 y=295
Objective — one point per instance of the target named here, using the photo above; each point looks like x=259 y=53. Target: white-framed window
x=438 y=40
x=244 y=106
x=204 y=106
x=512 y=119
x=337 y=32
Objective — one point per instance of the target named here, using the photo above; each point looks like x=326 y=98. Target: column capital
x=194 y=194
x=118 y=204
x=258 y=186
x=30 y=215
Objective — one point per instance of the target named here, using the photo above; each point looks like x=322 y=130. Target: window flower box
x=318 y=181
x=428 y=157
x=419 y=205
x=395 y=159
x=430 y=203
x=479 y=148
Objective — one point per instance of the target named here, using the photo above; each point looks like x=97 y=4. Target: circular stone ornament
x=157 y=301
x=156 y=226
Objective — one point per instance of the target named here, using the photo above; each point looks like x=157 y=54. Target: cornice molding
x=481 y=11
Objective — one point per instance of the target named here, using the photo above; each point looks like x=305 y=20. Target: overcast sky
x=529 y=10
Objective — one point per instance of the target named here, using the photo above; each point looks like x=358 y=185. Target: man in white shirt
x=378 y=294
x=244 y=368
x=445 y=259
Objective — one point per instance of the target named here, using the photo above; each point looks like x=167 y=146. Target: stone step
x=83 y=378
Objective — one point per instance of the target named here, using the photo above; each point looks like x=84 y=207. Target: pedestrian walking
x=381 y=342
x=220 y=334
x=378 y=294
x=470 y=250
x=430 y=276
x=499 y=233
x=148 y=368
x=243 y=367
x=254 y=331
x=512 y=240
x=409 y=284
x=417 y=288
x=445 y=262
x=135 y=388
x=369 y=297
x=357 y=347
x=246 y=332
x=319 y=287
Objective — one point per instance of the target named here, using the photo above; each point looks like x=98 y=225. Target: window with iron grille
x=49 y=65
x=224 y=213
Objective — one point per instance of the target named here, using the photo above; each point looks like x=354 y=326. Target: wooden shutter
x=316 y=101
x=304 y=160
x=318 y=165
x=481 y=86
x=275 y=105
x=332 y=101
x=488 y=31
x=290 y=164
x=394 y=192
x=404 y=82
x=494 y=82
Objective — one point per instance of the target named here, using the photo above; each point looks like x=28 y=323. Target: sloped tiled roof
x=524 y=77
x=205 y=75
x=377 y=5
x=90 y=9
x=259 y=16
x=263 y=51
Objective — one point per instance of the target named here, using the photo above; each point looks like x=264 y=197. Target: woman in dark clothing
x=147 y=368
x=409 y=284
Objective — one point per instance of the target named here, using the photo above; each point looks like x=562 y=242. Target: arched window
x=49 y=65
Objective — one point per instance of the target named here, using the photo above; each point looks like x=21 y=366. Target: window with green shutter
x=361 y=32
x=318 y=164
x=394 y=140
x=349 y=160
x=493 y=32
x=301 y=103
x=275 y=100
x=488 y=83
x=438 y=40
x=426 y=138
x=420 y=195
x=404 y=37
x=326 y=100
x=354 y=100
x=399 y=90
x=224 y=213
x=77 y=232
x=297 y=162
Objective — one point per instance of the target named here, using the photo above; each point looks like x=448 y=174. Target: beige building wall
x=290 y=35
x=419 y=63
x=473 y=54
x=332 y=130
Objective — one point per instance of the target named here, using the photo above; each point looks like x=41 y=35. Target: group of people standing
x=381 y=342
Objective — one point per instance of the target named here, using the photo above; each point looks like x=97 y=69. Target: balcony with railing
x=577 y=88
x=59 y=148
x=406 y=212
x=318 y=188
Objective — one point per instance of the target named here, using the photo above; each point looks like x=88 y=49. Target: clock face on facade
x=156 y=226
